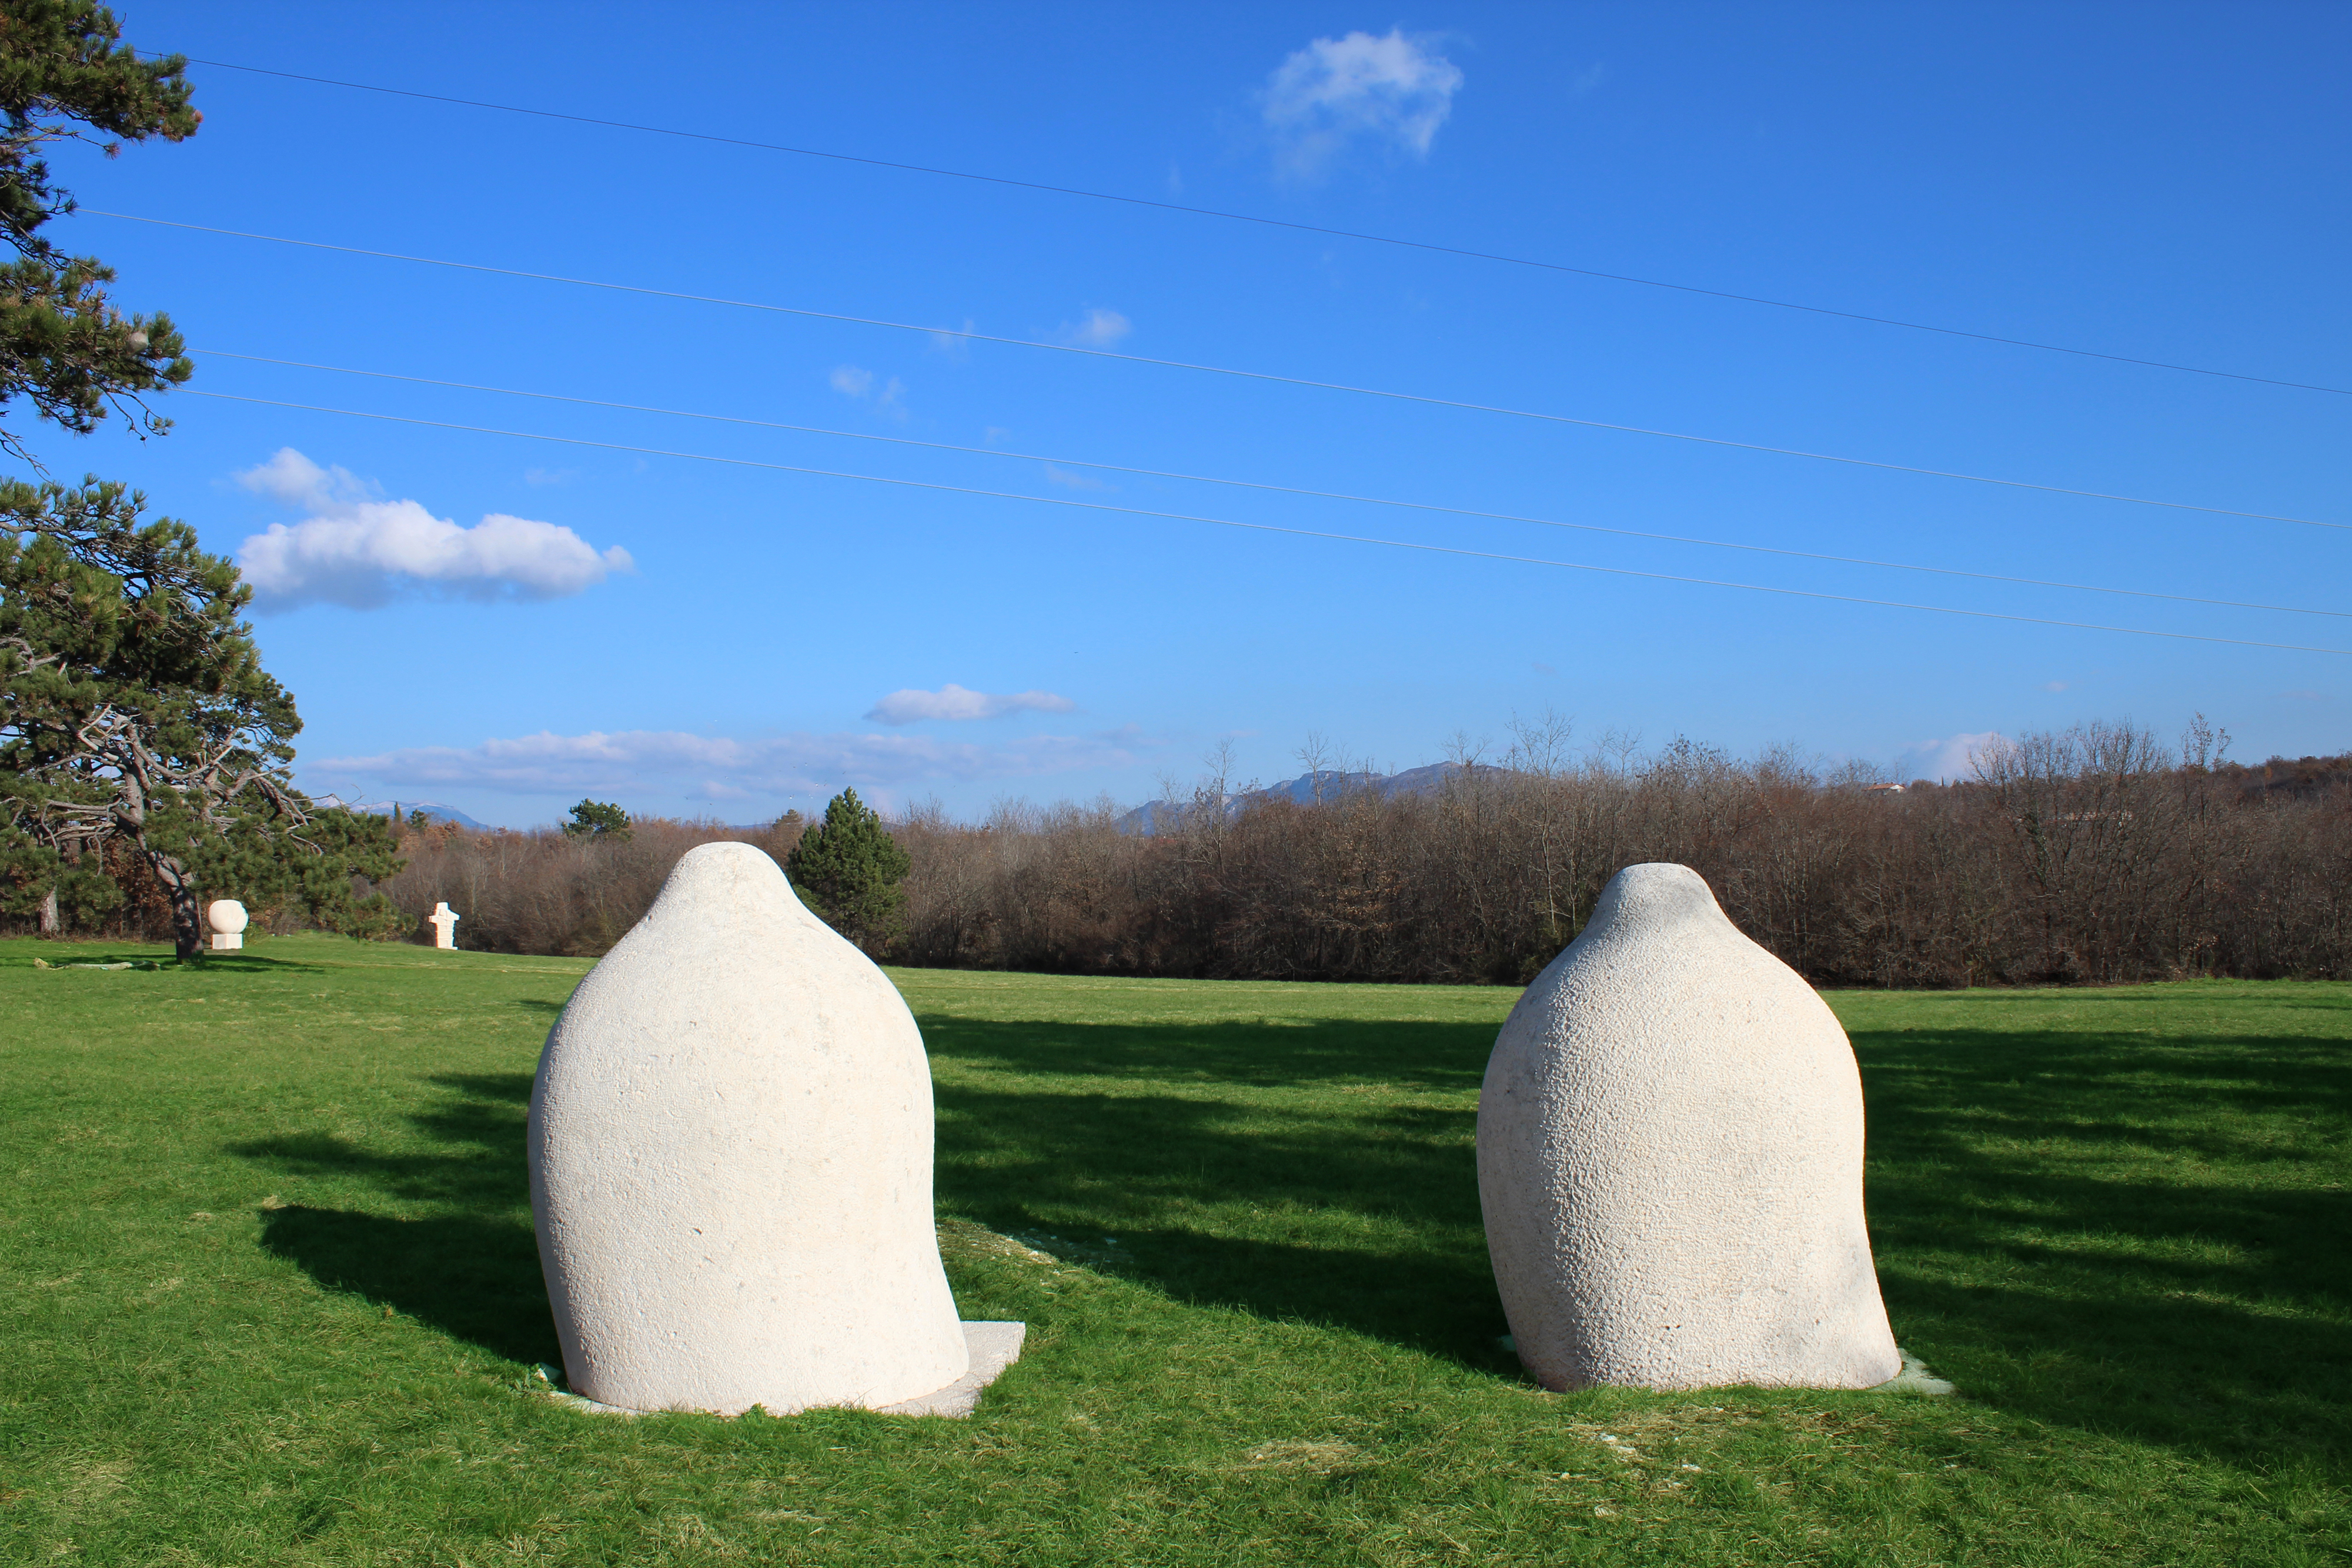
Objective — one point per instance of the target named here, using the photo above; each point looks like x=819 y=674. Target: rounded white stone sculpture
x=227 y=919
x=731 y=1163
x=1670 y=1161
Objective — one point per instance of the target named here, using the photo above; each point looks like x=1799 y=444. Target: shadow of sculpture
x=470 y=1264
x=2097 y=1229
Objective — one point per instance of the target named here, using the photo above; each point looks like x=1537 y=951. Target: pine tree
x=65 y=76
x=133 y=708
x=597 y=820
x=847 y=868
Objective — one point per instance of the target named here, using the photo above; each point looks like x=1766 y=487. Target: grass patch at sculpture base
x=269 y=1291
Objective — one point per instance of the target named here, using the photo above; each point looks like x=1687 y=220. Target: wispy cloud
x=1953 y=757
x=854 y=380
x=955 y=345
x=1393 y=91
x=911 y=705
x=1097 y=329
x=357 y=550
x=719 y=766
x=1059 y=475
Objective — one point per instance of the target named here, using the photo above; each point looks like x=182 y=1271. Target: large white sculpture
x=1670 y=1161
x=228 y=920
x=731 y=1163
x=443 y=921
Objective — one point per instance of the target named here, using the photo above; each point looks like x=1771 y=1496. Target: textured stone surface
x=992 y=1345
x=228 y=920
x=1670 y=1160
x=730 y=1161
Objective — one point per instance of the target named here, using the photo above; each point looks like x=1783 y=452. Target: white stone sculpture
x=731 y=1163
x=1670 y=1161
x=443 y=921
x=227 y=919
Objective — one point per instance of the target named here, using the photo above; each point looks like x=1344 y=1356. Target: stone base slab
x=994 y=1347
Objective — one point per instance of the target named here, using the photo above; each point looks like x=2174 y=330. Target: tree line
x=2098 y=854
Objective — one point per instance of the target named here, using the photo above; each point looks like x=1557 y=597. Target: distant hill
x=1308 y=788
x=434 y=811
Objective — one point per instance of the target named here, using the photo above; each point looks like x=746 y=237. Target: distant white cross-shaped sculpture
x=443 y=921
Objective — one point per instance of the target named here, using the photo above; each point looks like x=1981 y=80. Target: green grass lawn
x=269 y=1293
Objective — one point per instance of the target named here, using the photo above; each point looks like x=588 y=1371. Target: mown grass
x=269 y=1293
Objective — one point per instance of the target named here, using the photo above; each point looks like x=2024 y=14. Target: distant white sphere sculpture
x=1670 y=1161
x=226 y=918
x=731 y=1163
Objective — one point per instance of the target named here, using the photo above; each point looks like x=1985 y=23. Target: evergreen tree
x=597 y=820
x=847 y=868
x=134 y=707
x=64 y=76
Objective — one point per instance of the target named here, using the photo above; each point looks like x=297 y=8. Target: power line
x=1277 y=489
x=1260 y=527
x=1280 y=224
x=968 y=335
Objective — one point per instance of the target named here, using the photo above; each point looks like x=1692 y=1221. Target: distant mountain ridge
x=434 y=811
x=1309 y=789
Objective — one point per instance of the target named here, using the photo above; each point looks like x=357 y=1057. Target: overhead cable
x=1278 y=223
x=1260 y=527
x=954 y=334
x=1277 y=489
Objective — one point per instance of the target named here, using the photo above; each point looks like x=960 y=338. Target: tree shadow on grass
x=2121 y=1231
x=2108 y=1231
x=2094 y=1229
x=239 y=963
x=1332 y=1052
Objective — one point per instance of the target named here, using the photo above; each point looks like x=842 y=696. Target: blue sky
x=508 y=624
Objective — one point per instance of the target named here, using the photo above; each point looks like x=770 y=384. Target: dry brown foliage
x=2095 y=854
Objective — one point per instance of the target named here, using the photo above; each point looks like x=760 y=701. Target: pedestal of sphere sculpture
x=731 y=1163
x=1670 y=1161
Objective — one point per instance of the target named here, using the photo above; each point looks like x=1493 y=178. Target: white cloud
x=1059 y=475
x=1099 y=328
x=719 y=766
x=956 y=346
x=1953 y=757
x=1395 y=91
x=953 y=702
x=360 y=551
x=855 y=381
x=296 y=480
